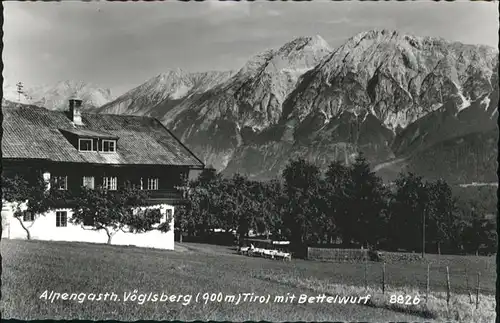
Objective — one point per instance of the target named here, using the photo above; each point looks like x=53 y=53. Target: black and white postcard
x=250 y=161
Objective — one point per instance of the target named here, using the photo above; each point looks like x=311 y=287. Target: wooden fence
x=331 y=254
x=352 y=266
x=354 y=255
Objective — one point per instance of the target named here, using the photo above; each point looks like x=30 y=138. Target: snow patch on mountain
x=181 y=91
x=486 y=102
x=465 y=103
x=366 y=116
x=395 y=120
x=295 y=74
x=493 y=113
x=326 y=116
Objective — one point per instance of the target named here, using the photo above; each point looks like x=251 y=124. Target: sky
x=119 y=45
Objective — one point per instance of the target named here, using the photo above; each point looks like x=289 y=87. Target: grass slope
x=31 y=267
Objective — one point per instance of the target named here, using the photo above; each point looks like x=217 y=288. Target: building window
x=152 y=183
x=109 y=183
x=95 y=145
x=84 y=144
x=108 y=146
x=61 y=219
x=60 y=183
x=28 y=216
x=88 y=182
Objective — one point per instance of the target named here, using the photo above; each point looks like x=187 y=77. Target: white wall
x=44 y=228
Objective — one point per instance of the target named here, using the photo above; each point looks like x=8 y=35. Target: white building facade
x=57 y=225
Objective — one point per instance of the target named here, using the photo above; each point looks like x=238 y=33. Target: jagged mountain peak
x=160 y=93
x=81 y=88
x=299 y=43
x=170 y=81
x=301 y=53
x=248 y=102
x=174 y=72
x=166 y=77
x=423 y=43
x=73 y=83
x=395 y=76
x=396 y=35
x=292 y=59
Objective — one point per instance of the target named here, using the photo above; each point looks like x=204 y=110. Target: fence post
x=383 y=279
x=447 y=285
x=428 y=283
x=366 y=273
x=467 y=286
x=477 y=291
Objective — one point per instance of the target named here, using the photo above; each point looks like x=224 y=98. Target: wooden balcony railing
x=165 y=196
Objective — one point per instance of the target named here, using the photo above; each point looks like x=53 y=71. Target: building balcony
x=163 y=196
x=168 y=196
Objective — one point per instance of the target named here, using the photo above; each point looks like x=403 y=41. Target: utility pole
x=19 y=91
x=423 y=219
x=423 y=233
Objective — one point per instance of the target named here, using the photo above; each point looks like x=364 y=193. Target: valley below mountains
x=410 y=103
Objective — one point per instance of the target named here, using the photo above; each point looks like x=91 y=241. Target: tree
x=442 y=219
x=270 y=199
x=366 y=196
x=479 y=230
x=240 y=206
x=182 y=213
x=112 y=211
x=303 y=208
x=207 y=176
x=146 y=219
x=29 y=195
x=201 y=212
x=338 y=222
x=186 y=214
x=407 y=209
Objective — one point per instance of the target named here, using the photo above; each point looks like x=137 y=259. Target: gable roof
x=31 y=132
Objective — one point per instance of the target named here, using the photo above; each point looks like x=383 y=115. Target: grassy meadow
x=32 y=267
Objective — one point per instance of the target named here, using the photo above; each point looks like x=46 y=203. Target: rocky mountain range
x=407 y=103
x=55 y=96
x=164 y=92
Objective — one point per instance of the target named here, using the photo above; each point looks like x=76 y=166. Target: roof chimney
x=75 y=113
